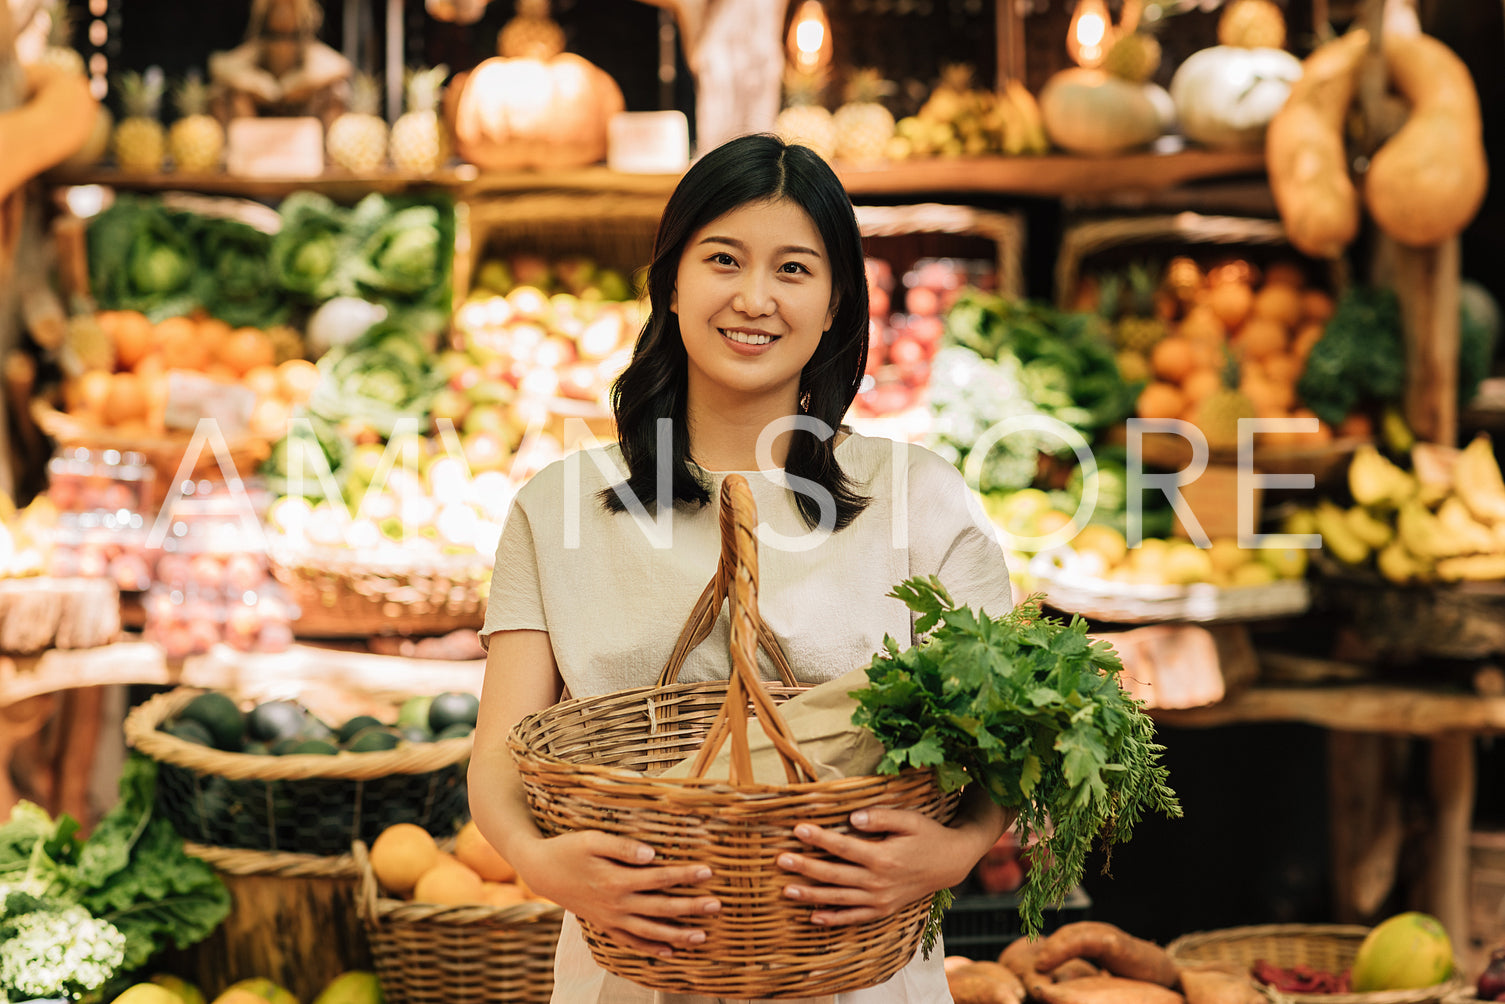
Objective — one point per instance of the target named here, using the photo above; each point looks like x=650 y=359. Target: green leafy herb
x=1360 y=358
x=1029 y=708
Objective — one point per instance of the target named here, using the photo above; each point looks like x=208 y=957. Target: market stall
x=1178 y=289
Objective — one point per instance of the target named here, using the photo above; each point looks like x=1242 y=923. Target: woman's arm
x=50 y=127
x=916 y=856
x=597 y=876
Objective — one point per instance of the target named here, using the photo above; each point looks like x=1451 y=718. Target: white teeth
x=746 y=339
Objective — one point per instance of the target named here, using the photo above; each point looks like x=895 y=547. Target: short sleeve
x=952 y=538
x=516 y=599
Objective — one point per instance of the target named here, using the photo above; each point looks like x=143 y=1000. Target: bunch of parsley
x=1030 y=708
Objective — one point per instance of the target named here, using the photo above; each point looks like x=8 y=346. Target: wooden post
x=1365 y=822
x=1452 y=786
x=1426 y=281
x=1009 y=28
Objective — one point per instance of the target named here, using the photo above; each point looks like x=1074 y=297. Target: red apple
x=927 y=329
x=922 y=300
x=906 y=350
x=877 y=301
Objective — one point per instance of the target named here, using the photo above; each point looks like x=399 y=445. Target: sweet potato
x=1108 y=990
x=1117 y=951
x=984 y=983
x=1019 y=958
x=1073 y=969
x=1209 y=986
x=1305 y=155
x=1427 y=181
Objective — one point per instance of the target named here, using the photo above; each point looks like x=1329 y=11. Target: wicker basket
x=309 y=803
x=345 y=594
x=165 y=453
x=579 y=759
x=1329 y=947
x=426 y=954
x=1004 y=230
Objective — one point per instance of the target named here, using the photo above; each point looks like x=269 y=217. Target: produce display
x=409 y=865
x=283 y=727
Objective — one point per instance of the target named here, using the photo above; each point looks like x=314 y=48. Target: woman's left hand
x=913 y=857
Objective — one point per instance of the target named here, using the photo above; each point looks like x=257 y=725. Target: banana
x=1015 y=126
x=1423 y=534
x=1029 y=108
x=1369 y=528
x=1338 y=538
x=1472 y=568
x=1400 y=566
x=1434 y=465
x=1299 y=521
x=1454 y=517
x=1477 y=480
x=1375 y=481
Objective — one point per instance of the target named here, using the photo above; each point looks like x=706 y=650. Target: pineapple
x=1252 y=24
x=532 y=34
x=1134 y=57
x=1218 y=416
x=951 y=97
x=140 y=141
x=419 y=143
x=804 y=120
x=60 y=52
x=357 y=140
x=196 y=140
x=863 y=126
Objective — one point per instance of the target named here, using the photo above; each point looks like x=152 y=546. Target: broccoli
x=1361 y=357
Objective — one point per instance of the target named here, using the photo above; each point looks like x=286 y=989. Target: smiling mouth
x=747 y=337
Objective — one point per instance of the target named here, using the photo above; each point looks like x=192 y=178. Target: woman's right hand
x=611 y=882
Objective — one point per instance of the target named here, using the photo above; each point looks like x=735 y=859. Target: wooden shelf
x=1377 y=708
x=1050 y=176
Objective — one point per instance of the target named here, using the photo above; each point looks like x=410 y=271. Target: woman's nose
x=755 y=296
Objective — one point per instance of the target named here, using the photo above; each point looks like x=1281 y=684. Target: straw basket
x=293 y=922
x=342 y=593
x=579 y=762
x=1329 y=947
x=1005 y=232
x=428 y=954
x=309 y=803
x=166 y=453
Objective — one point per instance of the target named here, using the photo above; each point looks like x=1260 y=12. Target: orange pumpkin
x=534 y=105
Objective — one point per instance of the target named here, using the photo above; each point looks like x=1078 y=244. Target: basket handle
x=366 y=892
x=738 y=576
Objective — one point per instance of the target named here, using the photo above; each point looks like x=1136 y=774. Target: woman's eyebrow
x=740 y=246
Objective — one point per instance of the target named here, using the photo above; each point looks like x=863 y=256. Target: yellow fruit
x=256 y=989
x=1406 y=952
x=400 y=855
x=1103 y=541
x=1186 y=563
x=474 y=851
x=1226 y=555
x=1253 y=573
x=1288 y=562
x=180 y=988
x=148 y=993
x=235 y=995
x=355 y=987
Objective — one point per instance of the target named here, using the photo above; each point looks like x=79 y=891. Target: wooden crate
x=932 y=229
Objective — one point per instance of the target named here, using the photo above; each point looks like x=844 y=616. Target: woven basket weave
x=307 y=803
x=572 y=758
x=428 y=954
x=1329 y=947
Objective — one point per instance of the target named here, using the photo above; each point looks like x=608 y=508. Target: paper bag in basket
x=820 y=719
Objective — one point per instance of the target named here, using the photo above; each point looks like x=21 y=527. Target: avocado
x=271 y=721
x=255 y=748
x=451 y=707
x=374 y=739
x=414 y=712
x=315 y=728
x=217 y=713
x=189 y=731
x=458 y=730
x=318 y=747
x=350 y=729
x=416 y=733
x=286 y=745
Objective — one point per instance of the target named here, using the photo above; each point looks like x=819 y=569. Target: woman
x=758 y=322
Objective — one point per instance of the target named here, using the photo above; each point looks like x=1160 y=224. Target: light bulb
x=1090 y=34
x=809 y=40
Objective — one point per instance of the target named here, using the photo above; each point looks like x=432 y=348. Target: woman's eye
x=722 y=258
x=793 y=268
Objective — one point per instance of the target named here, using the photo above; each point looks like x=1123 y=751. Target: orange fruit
x=1279 y=302
x=262 y=381
x=134 y=336
x=1356 y=425
x=1283 y=367
x=502 y=894
x=1285 y=273
x=91 y=391
x=449 y=883
x=400 y=854
x=214 y=332
x=125 y=401
x=179 y=340
x=1231 y=301
x=1202 y=383
x=1161 y=400
x=298 y=378
x=1271 y=399
x=1260 y=337
x=269 y=418
x=244 y=349
x=1307 y=337
x=1173 y=359
x=1316 y=306
x=473 y=850
x=1201 y=325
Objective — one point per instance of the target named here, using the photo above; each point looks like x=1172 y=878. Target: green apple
x=494 y=275
x=485 y=418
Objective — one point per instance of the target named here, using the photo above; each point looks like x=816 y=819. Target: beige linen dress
x=613 y=591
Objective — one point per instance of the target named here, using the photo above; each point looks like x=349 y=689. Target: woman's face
x=754 y=296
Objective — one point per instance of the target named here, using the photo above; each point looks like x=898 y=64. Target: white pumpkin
x=1226 y=96
x=1093 y=112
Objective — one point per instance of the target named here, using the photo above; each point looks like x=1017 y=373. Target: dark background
x=1253 y=845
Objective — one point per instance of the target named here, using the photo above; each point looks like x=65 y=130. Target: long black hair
x=748 y=169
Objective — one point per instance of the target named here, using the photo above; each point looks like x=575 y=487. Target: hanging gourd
x=1226 y=95
x=534 y=105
